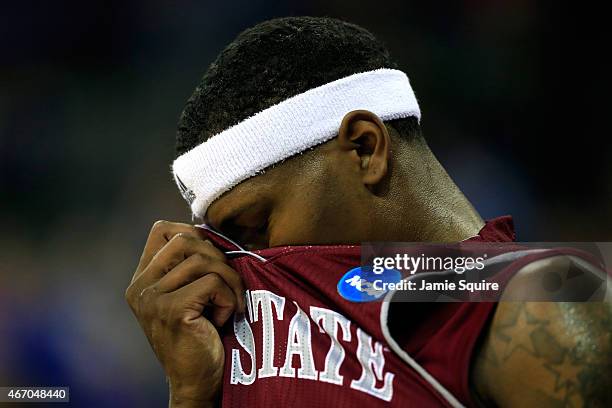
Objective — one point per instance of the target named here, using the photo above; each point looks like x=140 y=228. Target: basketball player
x=303 y=140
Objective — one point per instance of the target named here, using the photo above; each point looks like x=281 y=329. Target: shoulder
x=554 y=353
x=559 y=277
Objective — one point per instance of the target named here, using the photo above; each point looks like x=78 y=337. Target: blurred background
x=90 y=93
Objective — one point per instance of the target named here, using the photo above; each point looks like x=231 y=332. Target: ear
x=364 y=132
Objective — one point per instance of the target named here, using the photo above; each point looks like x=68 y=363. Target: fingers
x=181 y=246
x=178 y=264
x=197 y=266
x=162 y=232
x=208 y=290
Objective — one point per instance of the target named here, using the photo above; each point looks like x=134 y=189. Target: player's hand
x=180 y=279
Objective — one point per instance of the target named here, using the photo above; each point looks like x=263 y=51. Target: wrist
x=192 y=398
x=187 y=402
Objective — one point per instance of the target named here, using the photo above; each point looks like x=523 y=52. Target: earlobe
x=366 y=134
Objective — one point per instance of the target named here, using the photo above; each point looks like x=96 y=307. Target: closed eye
x=249 y=237
x=257 y=238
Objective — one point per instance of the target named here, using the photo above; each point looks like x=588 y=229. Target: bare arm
x=546 y=354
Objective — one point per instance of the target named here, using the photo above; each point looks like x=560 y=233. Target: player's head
x=333 y=193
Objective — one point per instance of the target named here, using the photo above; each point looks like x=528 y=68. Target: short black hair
x=273 y=61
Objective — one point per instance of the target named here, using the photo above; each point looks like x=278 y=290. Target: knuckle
x=182 y=238
x=214 y=250
x=147 y=293
x=200 y=258
x=147 y=302
x=129 y=294
x=215 y=280
x=160 y=225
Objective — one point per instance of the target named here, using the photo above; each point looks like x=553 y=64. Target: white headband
x=283 y=130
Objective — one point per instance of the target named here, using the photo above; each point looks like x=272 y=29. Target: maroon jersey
x=301 y=344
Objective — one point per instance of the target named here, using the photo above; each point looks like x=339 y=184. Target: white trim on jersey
x=240 y=249
x=384 y=324
x=447 y=395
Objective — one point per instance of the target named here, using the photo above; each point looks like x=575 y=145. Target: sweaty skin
x=365 y=185
x=558 y=354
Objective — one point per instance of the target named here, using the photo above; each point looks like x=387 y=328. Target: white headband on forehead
x=283 y=130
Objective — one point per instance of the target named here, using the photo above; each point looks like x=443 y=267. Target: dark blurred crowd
x=513 y=104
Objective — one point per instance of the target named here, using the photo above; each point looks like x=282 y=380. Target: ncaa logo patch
x=361 y=284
